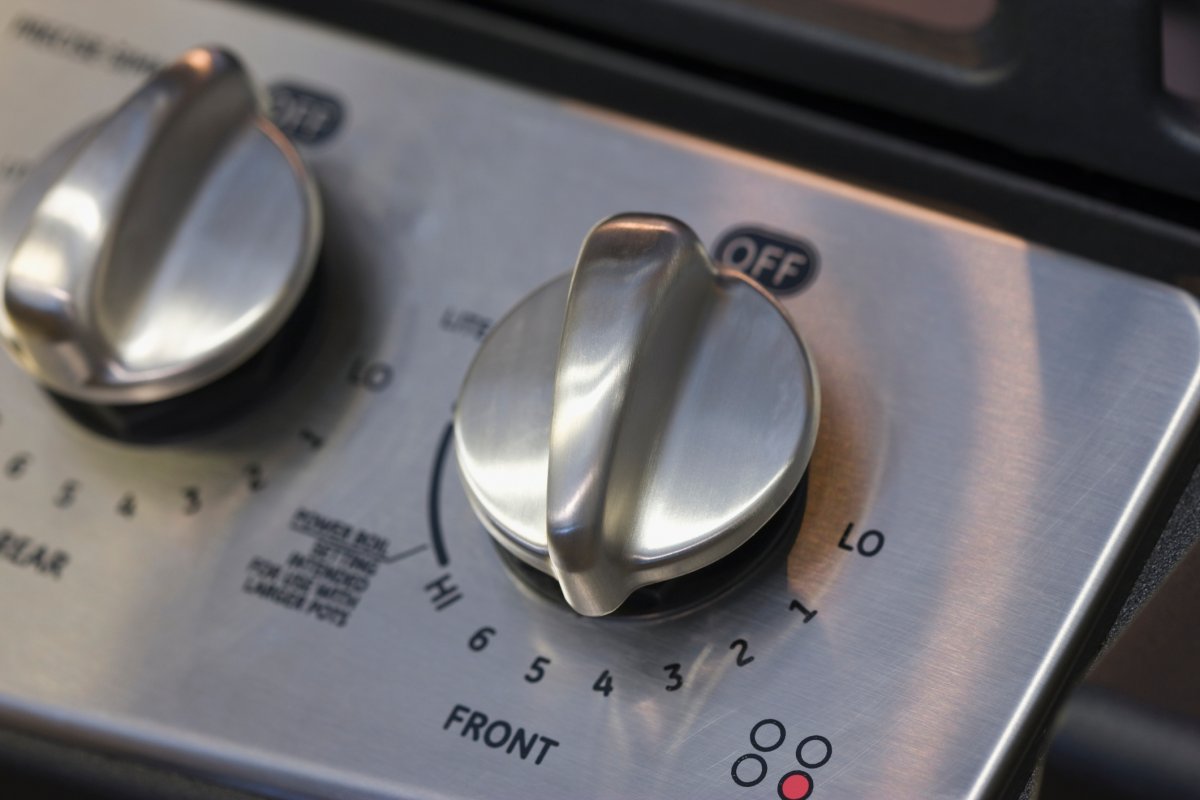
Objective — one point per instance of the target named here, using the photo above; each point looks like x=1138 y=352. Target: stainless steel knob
x=157 y=249
x=638 y=419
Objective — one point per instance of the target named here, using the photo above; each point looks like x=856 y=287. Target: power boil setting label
x=327 y=580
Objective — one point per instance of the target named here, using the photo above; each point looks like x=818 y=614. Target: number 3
x=672 y=671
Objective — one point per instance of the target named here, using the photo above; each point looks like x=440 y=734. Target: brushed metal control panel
x=302 y=599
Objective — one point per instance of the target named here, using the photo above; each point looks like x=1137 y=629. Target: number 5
x=537 y=670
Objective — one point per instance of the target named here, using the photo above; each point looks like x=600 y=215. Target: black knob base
x=209 y=407
x=766 y=548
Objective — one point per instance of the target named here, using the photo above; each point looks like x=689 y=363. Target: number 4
x=603 y=684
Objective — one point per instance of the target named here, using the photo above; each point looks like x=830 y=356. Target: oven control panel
x=370 y=427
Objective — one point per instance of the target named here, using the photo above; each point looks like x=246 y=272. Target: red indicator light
x=795 y=786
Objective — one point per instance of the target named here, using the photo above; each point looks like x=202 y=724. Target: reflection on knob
x=159 y=248
x=636 y=420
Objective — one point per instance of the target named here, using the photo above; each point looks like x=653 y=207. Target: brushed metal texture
x=650 y=424
x=999 y=412
x=157 y=249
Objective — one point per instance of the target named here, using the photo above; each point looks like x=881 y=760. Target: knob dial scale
x=340 y=623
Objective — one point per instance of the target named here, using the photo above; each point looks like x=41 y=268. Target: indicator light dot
x=795 y=786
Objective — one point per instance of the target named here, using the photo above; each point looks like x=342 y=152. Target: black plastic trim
x=1071 y=80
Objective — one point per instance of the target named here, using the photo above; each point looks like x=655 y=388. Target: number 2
x=741 y=645
x=127 y=507
x=66 y=494
x=17 y=465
